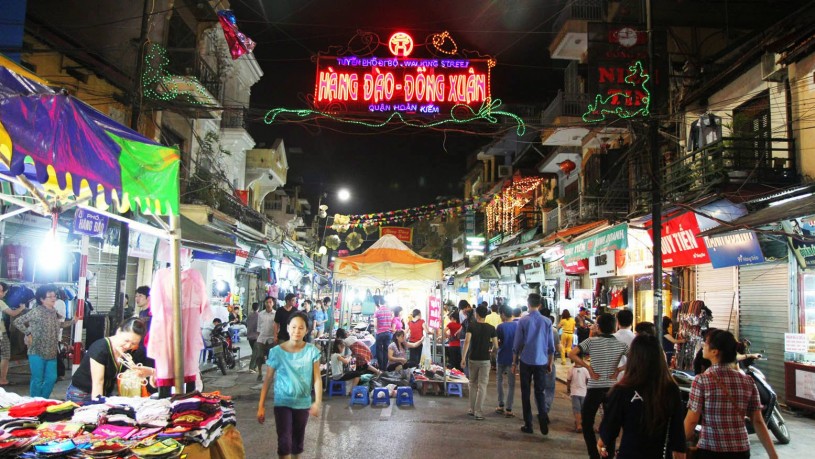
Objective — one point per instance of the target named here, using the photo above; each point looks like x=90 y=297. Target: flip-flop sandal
x=479 y=418
x=499 y=410
x=509 y=414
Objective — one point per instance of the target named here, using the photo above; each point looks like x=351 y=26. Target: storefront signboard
x=614 y=238
x=494 y=242
x=803 y=243
x=553 y=269
x=603 y=265
x=401 y=233
x=533 y=270
x=680 y=244
x=638 y=258
x=434 y=313
x=576 y=266
x=734 y=249
x=90 y=223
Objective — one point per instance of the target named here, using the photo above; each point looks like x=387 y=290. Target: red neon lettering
x=611 y=74
x=334 y=86
x=467 y=88
x=378 y=87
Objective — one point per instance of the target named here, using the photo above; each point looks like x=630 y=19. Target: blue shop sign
x=734 y=248
x=90 y=223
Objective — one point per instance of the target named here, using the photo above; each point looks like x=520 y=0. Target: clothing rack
x=693 y=319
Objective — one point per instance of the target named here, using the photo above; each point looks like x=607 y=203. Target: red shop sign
x=680 y=244
x=576 y=267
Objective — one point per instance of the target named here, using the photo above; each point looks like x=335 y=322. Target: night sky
x=393 y=167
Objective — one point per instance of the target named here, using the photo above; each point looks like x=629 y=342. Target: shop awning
x=596 y=241
x=301 y=262
x=785 y=211
x=202 y=239
x=565 y=234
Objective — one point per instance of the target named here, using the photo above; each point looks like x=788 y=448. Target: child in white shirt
x=576 y=383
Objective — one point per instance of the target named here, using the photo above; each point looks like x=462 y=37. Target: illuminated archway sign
x=401 y=84
x=401 y=44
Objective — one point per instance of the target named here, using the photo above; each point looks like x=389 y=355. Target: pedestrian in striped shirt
x=605 y=351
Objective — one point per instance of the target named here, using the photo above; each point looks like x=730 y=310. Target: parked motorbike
x=769 y=400
x=225 y=353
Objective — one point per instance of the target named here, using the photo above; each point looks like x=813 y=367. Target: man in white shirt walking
x=266 y=335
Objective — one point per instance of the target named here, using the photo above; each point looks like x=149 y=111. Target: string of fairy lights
x=487 y=112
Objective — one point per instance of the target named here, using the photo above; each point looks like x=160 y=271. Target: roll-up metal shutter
x=764 y=316
x=103 y=286
x=718 y=289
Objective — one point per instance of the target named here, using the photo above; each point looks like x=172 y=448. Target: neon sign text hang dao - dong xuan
x=411 y=85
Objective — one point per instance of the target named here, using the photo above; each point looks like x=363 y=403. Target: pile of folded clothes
x=112 y=426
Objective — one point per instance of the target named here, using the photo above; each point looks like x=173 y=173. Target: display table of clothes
x=119 y=427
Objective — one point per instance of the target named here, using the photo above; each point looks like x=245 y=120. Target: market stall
x=60 y=154
x=402 y=275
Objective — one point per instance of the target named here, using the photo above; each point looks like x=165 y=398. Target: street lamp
x=343 y=194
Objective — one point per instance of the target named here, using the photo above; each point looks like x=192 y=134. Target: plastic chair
x=359 y=396
x=404 y=396
x=381 y=396
x=206 y=352
x=336 y=388
x=454 y=388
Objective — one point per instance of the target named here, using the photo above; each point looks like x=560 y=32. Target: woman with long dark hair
x=645 y=405
x=720 y=398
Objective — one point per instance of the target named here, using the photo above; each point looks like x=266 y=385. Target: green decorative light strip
x=160 y=84
x=487 y=112
x=598 y=111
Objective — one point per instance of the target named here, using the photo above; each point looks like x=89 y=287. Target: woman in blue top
x=297 y=365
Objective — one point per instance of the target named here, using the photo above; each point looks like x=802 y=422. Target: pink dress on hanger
x=194 y=311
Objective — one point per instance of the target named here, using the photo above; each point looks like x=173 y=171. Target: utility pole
x=124 y=230
x=656 y=177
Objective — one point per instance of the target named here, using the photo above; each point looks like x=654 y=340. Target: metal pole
x=178 y=350
x=656 y=177
x=80 y=303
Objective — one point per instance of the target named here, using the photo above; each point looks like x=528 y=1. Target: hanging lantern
x=354 y=241
x=370 y=228
x=333 y=242
x=567 y=167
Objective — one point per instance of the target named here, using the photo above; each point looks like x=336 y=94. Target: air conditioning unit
x=504 y=171
x=770 y=69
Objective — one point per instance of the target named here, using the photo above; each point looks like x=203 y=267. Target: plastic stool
x=454 y=388
x=381 y=396
x=359 y=396
x=404 y=396
x=336 y=388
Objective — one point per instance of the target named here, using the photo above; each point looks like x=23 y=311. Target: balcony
x=733 y=162
x=234 y=118
x=562 y=122
x=571 y=41
x=233 y=207
x=582 y=210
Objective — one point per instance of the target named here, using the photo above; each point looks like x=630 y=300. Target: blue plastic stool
x=359 y=396
x=381 y=396
x=455 y=388
x=336 y=388
x=404 y=396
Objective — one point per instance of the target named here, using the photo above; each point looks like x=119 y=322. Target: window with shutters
x=751 y=128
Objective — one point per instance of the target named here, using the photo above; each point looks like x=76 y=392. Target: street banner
x=680 y=244
x=90 y=223
x=734 y=248
x=614 y=238
x=434 y=313
x=401 y=233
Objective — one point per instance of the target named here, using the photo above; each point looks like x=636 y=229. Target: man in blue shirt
x=534 y=350
x=506 y=339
